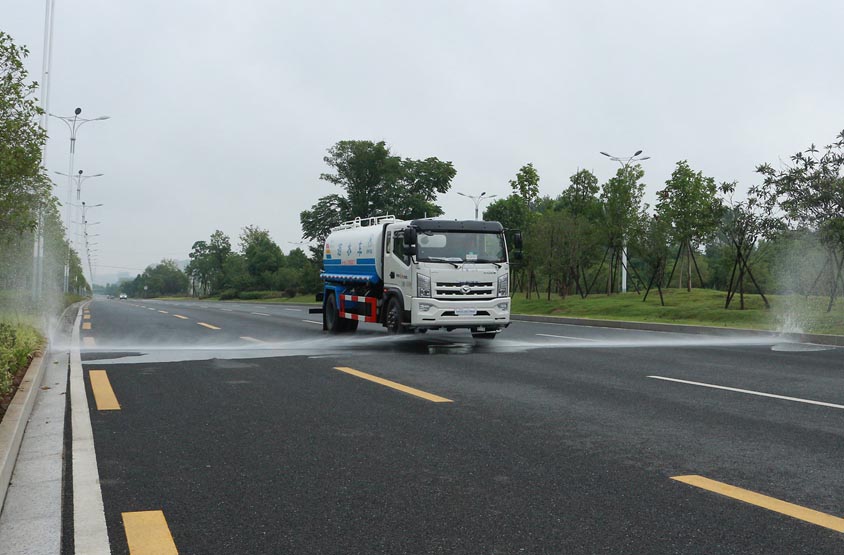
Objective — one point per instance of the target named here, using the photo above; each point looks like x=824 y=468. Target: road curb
x=15 y=420
x=835 y=340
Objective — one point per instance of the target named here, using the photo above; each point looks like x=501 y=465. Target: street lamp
x=85 y=237
x=73 y=123
x=80 y=179
x=477 y=199
x=625 y=165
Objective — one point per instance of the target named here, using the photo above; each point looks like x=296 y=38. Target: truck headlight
x=423 y=286
x=504 y=285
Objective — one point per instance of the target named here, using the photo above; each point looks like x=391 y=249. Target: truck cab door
x=396 y=263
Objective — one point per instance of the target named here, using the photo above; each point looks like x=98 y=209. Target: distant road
x=242 y=428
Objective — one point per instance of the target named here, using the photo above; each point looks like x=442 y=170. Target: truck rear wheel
x=333 y=322
x=393 y=319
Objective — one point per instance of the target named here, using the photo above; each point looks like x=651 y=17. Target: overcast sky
x=221 y=112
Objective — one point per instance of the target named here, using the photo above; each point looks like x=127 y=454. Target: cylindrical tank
x=354 y=250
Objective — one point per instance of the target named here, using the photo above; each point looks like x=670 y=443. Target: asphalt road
x=556 y=439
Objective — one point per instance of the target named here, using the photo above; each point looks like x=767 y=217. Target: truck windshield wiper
x=487 y=261
x=442 y=259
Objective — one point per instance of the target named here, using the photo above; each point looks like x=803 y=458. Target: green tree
x=263 y=255
x=808 y=193
x=23 y=184
x=623 y=211
x=526 y=183
x=580 y=198
x=689 y=203
x=375 y=182
x=200 y=269
x=510 y=212
x=164 y=278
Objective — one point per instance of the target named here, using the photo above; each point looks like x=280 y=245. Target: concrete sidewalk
x=31 y=519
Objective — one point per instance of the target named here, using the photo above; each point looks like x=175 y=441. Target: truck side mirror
x=410 y=241
x=410 y=236
x=517 y=240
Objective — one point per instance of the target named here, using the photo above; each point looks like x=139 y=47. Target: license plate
x=465 y=311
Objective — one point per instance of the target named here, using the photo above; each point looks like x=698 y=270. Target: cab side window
x=398 y=248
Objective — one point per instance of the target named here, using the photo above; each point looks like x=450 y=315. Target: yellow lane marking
x=770 y=503
x=209 y=326
x=86 y=316
x=89 y=341
x=86 y=325
x=103 y=393
x=181 y=317
x=163 y=312
x=394 y=385
x=147 y=533
x=251 y=339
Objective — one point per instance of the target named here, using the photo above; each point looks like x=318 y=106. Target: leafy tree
x=200 y=268
x=165 y=278
x=207 y=259
x=744 y=222
x=580 y=198
x=263 y=255
x=652 y=240
x=23 y=184
x=526 y=183
x=510 y=212
x=621 y=197
x=809 y=193
x=689 y=203
x=375 y=182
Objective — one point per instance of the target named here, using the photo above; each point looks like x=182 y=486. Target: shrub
x=228 y=294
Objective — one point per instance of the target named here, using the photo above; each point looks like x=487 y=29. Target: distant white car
x=123 y=296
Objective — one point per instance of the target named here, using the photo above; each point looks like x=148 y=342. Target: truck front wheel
x=394 y=315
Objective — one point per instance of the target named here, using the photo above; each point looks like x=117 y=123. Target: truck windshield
x=460 y=246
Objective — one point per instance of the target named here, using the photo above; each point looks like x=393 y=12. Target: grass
x=701 y=307
x=19 y=341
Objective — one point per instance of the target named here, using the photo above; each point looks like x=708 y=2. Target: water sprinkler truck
x=415 y=276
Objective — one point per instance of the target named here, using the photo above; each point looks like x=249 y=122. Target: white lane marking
x=163 y=312
x=312 y=322
x=252 y=339
x=90 y=534
x=260 y=313
x=294 y=309
x=749 y=392
x=567 y=337
x=150 y=309
x=226 y=310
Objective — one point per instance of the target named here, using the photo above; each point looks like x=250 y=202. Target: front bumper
x=432 y=313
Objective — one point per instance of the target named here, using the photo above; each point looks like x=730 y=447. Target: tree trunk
x=689 y=262
x=836 y=279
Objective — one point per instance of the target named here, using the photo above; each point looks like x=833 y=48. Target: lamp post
x=625 y=165
x=85 y=237
x=80 y=179
x=477 y=199
x=73 y=123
